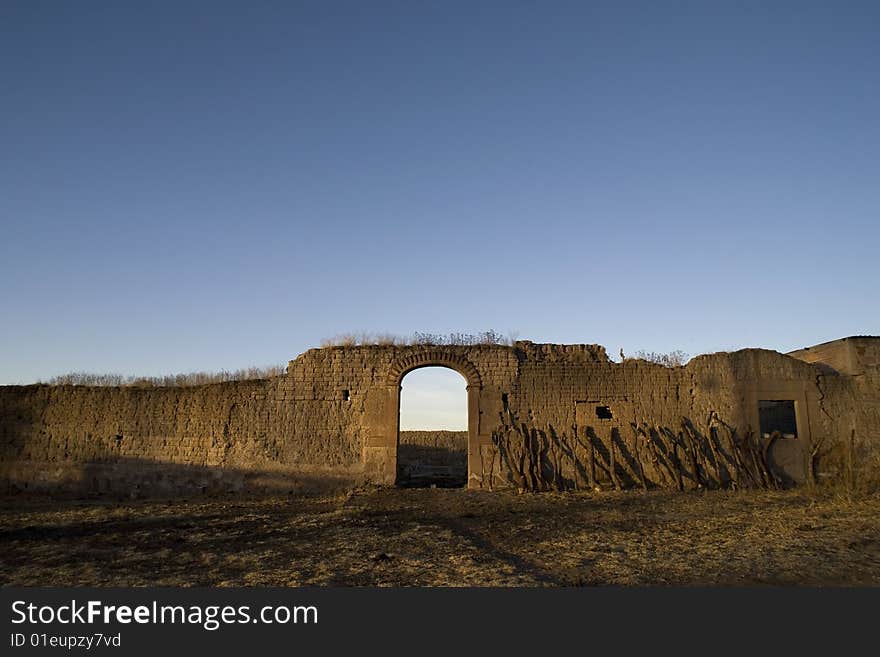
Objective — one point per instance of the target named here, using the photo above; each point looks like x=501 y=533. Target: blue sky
x=200 y=186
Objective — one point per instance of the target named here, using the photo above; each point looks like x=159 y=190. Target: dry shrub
x=168 y=380
x=419 y=338
x=675 y=358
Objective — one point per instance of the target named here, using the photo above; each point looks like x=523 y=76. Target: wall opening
x=777 y=415
x=432 y=444
x=604 y=413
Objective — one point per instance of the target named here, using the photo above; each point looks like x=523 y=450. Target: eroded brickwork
x=850 y=393
x=334 y=415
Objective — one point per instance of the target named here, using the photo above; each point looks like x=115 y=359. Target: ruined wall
x=851 y=400
x=638 y=423
x=564 y=413
x=851 y=356
x=836 y=356
x=866 y=430
x=211 y=438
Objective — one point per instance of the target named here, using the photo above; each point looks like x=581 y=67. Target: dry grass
x=168 y=380
x=675 y=358
x=417 y=338
x=448 y=538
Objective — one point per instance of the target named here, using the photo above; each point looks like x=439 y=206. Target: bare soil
x=443 y=537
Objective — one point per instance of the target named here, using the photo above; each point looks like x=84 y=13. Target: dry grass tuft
x=418 y=338
x=675 y=358
x=168 y=380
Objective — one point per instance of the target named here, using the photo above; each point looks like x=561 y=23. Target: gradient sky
x=201 y=186
x=433 y=398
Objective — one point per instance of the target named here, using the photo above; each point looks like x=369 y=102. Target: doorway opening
x=432 y=443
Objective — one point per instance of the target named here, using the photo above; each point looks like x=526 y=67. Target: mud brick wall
x=851 y=356
x=569 y=411
x=563 y=394
x=225 y=436
x=865 y=376
x=850 y=390
x=335 y=415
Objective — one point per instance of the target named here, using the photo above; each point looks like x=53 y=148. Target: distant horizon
x=282 y=363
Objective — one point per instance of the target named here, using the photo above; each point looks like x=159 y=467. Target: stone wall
x=565 y=409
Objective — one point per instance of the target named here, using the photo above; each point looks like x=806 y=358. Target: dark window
x=346 y=396
x=777 y=415
x=603 y=412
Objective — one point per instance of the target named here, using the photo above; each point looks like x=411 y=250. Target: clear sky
x=201 y=186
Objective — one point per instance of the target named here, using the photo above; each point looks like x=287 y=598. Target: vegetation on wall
x=419 y=338
x=675 y=358
x=168 y=380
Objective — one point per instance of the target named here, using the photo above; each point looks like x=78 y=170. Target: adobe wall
x=532 y=416
x=852 y=390
x=851 y=356
x=557 y=400
x=168 y=440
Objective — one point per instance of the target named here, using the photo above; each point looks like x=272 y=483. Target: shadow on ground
x=439 y=537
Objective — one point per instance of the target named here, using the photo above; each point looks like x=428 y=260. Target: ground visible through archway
x=432 y=458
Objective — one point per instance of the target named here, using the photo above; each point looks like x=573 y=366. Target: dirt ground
x=442 y=537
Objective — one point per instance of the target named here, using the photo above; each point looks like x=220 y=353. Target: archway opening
x=432 y=443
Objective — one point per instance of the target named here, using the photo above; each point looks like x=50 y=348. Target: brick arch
x=435 y=358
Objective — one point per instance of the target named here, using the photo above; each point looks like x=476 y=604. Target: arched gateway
x=382 y=443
